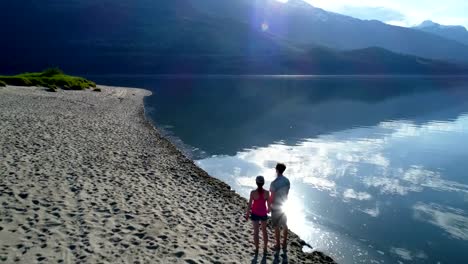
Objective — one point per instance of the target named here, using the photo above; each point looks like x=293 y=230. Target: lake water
x=378 y=165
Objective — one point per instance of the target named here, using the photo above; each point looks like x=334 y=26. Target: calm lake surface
x=378 y=165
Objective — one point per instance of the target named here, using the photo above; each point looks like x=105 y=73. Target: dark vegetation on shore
x=52 y=78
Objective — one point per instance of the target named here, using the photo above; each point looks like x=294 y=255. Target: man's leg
x=277 y=237
x=285 y=237
x=276 y=220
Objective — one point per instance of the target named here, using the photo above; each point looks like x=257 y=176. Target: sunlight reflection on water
x=360 y=172
x=377 y=163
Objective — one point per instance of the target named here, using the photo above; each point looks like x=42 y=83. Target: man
x=279 y=190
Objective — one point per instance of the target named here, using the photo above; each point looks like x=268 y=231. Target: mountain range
x=300 y=22
x=215 y=37
x=458 y=33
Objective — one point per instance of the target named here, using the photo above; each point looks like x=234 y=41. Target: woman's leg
x=265 y=236
x=256 y=227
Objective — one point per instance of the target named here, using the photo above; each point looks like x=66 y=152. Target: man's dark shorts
x=278 y=218
x=256 y=218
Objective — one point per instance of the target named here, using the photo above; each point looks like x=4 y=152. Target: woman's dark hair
x=280 y=167
x=260 y=188
x=260 y=181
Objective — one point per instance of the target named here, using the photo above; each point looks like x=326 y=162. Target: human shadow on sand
x=255 y=259
x=284 y=258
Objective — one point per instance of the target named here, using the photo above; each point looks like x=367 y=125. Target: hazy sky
x=401 y=12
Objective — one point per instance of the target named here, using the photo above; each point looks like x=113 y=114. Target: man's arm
x=272 y=198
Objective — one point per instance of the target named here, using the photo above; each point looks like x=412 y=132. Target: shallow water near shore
x=377 y=164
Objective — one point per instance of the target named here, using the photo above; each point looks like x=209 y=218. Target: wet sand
x=84 y=178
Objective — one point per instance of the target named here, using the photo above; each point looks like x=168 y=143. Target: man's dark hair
x=280 y=167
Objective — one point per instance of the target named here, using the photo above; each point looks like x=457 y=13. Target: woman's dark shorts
x=256 y=218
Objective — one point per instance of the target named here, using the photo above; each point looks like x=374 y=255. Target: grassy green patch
x=52 y=78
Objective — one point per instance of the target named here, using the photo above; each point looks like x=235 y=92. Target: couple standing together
x=262 y=202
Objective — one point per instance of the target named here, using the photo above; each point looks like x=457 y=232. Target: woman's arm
x=248 y=208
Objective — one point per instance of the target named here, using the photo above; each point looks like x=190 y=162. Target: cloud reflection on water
x=360 y=167
x=352 y=194
x=406 y=254
x=452 y=220
x=321 y=162
x=374 y=212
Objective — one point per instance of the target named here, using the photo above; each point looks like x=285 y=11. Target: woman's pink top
x=259 y=206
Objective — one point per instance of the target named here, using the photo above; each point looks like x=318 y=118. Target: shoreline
x=88 y=179
x=280 y=76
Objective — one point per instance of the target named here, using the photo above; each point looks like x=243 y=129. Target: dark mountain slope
x=80 y=32
x=169 y=37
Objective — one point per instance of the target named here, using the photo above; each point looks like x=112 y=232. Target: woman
x=259 y=205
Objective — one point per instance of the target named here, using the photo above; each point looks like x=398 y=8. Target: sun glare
x=282 y=1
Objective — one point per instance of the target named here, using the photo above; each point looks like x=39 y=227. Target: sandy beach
x=84 y=178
